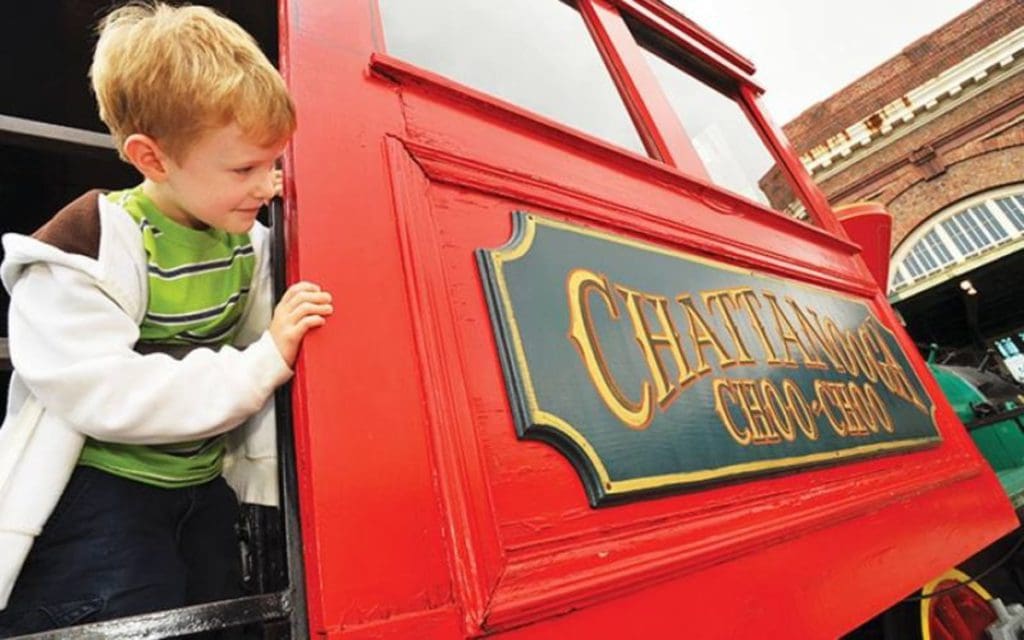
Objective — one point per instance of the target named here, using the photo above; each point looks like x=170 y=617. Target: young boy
x=142 y=338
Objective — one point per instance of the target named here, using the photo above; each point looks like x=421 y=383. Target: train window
x=533 y=53
x=728 y=144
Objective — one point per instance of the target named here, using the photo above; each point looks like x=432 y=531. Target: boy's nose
x=265 y=188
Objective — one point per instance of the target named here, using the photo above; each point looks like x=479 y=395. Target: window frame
x=963 y=230
x=658 y=126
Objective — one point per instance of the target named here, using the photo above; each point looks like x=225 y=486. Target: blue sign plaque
x=656 y=370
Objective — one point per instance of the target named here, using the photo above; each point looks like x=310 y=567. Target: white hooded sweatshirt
x=78 y=293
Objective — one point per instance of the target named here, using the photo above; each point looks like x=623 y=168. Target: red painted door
x=423 y=127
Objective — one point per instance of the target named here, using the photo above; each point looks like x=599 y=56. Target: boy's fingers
x=322 y=309
x=304 y=285
x=297 y=288
x=299 y=307
x=311 y=308
x=306 y=297
x=320 y=297
x=309 y=322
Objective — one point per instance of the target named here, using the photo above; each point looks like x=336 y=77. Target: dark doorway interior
x=946 y=315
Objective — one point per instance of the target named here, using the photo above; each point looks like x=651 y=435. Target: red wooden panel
x=423 y=514
x=870 y=225
x=372 y=524
x=557 y=554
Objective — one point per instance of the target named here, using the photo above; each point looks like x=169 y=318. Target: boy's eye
x=243 y=170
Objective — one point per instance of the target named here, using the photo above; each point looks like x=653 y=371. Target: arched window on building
x=957 y=239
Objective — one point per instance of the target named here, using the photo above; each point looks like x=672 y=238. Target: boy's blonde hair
x=172 y=73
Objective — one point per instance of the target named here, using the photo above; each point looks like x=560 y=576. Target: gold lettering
x=860 y=404
x=847 y=407
x=796 y=407
x=873 y=349
x=777 y=412
x=748 y=299
x=580 y=284
x=757 y=418
x=841 y=348
x=726 y=300
x=826 y=396
x=892 y=374
x=788 y=335
x=815 y=335
x=878 y=408
x=703 y=336
x=651 y=342
x=867 y=360
x=720 y=387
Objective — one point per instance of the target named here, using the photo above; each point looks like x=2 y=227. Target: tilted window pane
x=898 y=279
x=925 y=257
x=938 y=247
x=1012 y=208
x=727 y=143
x=534 y=53
x=988 y=221
x=962 y=242
x=912 y=267
x=973 y=230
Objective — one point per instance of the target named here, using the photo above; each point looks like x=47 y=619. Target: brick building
x=936 y=134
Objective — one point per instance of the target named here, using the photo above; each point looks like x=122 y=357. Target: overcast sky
x=806 y=50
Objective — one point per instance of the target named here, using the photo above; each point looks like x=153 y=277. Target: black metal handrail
x=175 y=622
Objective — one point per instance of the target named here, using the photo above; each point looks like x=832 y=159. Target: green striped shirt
x=198 y=287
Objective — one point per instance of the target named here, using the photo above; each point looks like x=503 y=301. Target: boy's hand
x=303 y=307
x=278 y=183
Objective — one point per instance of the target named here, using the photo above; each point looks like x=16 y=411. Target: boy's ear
x=145 y=155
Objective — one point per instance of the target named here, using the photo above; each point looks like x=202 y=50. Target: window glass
x=898 y=280
x=987 y=220
x=959 y=239
x=1012 y=208
x=1019 y=209
x=912 y=267
x=973 y=229
x=938 y=247
x=958 y=236
x=724 y=138
x=536 y=54
x=925 y=257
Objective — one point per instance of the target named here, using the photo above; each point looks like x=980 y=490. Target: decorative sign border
x=536 y=422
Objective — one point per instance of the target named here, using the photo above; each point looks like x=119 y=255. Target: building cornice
x=918 y=106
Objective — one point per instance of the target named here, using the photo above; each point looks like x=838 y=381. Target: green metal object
x=1001 y=441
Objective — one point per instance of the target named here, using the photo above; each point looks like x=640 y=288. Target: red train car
x=604 y=361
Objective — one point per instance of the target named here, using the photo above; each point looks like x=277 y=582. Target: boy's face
x=221 y=181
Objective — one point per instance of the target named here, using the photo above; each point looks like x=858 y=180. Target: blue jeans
x=114 y=547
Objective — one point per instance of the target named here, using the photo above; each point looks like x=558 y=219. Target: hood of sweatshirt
x=92 y=235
